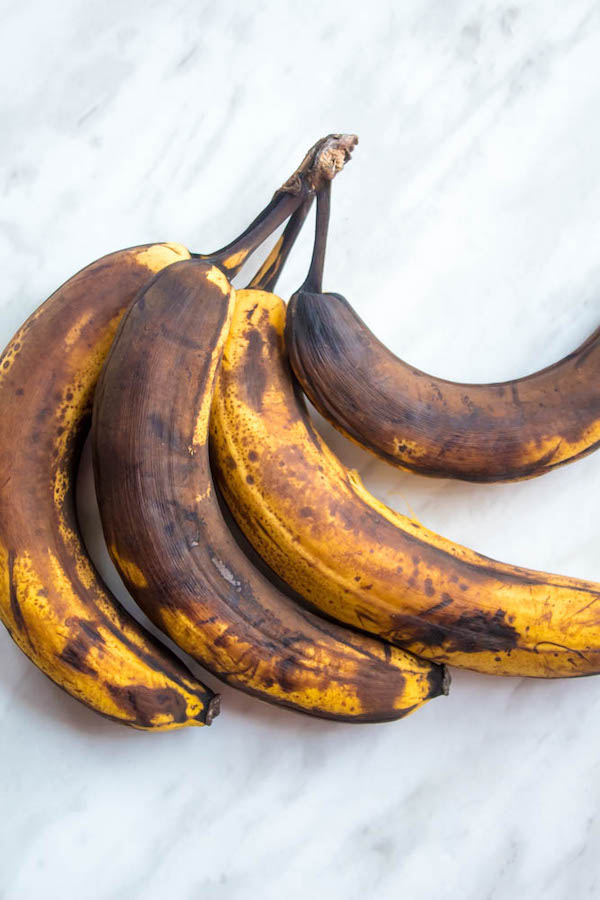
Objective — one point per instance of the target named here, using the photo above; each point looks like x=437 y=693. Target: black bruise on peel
x=159 y=428
x=74 y=655
x=254 y=364
x=14 y=601
x=143 y=704
x=478 y=632
x=255 y=376
x=444 y=602
x=286 y=675
x=76 y=650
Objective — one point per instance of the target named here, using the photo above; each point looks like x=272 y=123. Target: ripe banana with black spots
x=52 y=601
x=167 y=537
x=354 y=559
x=476 y=432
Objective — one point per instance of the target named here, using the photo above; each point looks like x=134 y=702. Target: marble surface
x=466 y=232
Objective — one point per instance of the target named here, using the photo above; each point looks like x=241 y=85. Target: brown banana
x=52 y=600
x=477 y=432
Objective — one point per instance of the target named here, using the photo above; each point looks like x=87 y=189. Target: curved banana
x=477 y=432
x=357 y=561
x=51 y=599
x=167 y=536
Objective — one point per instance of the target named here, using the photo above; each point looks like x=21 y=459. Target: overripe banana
x=51 y=599
x=167 y=536
x=477 y=432
x=351 y=557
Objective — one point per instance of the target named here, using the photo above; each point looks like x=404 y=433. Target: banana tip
x=446 y=681
x=213 y=709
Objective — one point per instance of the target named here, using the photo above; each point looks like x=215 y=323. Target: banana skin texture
x=159 y=508
x=52 y=601
x=476 y=432
x=356 y=560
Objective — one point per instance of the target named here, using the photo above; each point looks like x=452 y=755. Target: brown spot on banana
x=75 y=652
x=17 y=615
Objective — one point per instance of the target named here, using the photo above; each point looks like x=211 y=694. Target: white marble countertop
x=467 y=233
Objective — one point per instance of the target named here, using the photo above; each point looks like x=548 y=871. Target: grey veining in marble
x=466 y=232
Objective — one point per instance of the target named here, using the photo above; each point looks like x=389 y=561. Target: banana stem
x=314 y=280
x=232 y=257
x=320 y=165
x=267 y=276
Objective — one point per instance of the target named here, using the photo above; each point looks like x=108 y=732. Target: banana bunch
x=192 y=391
